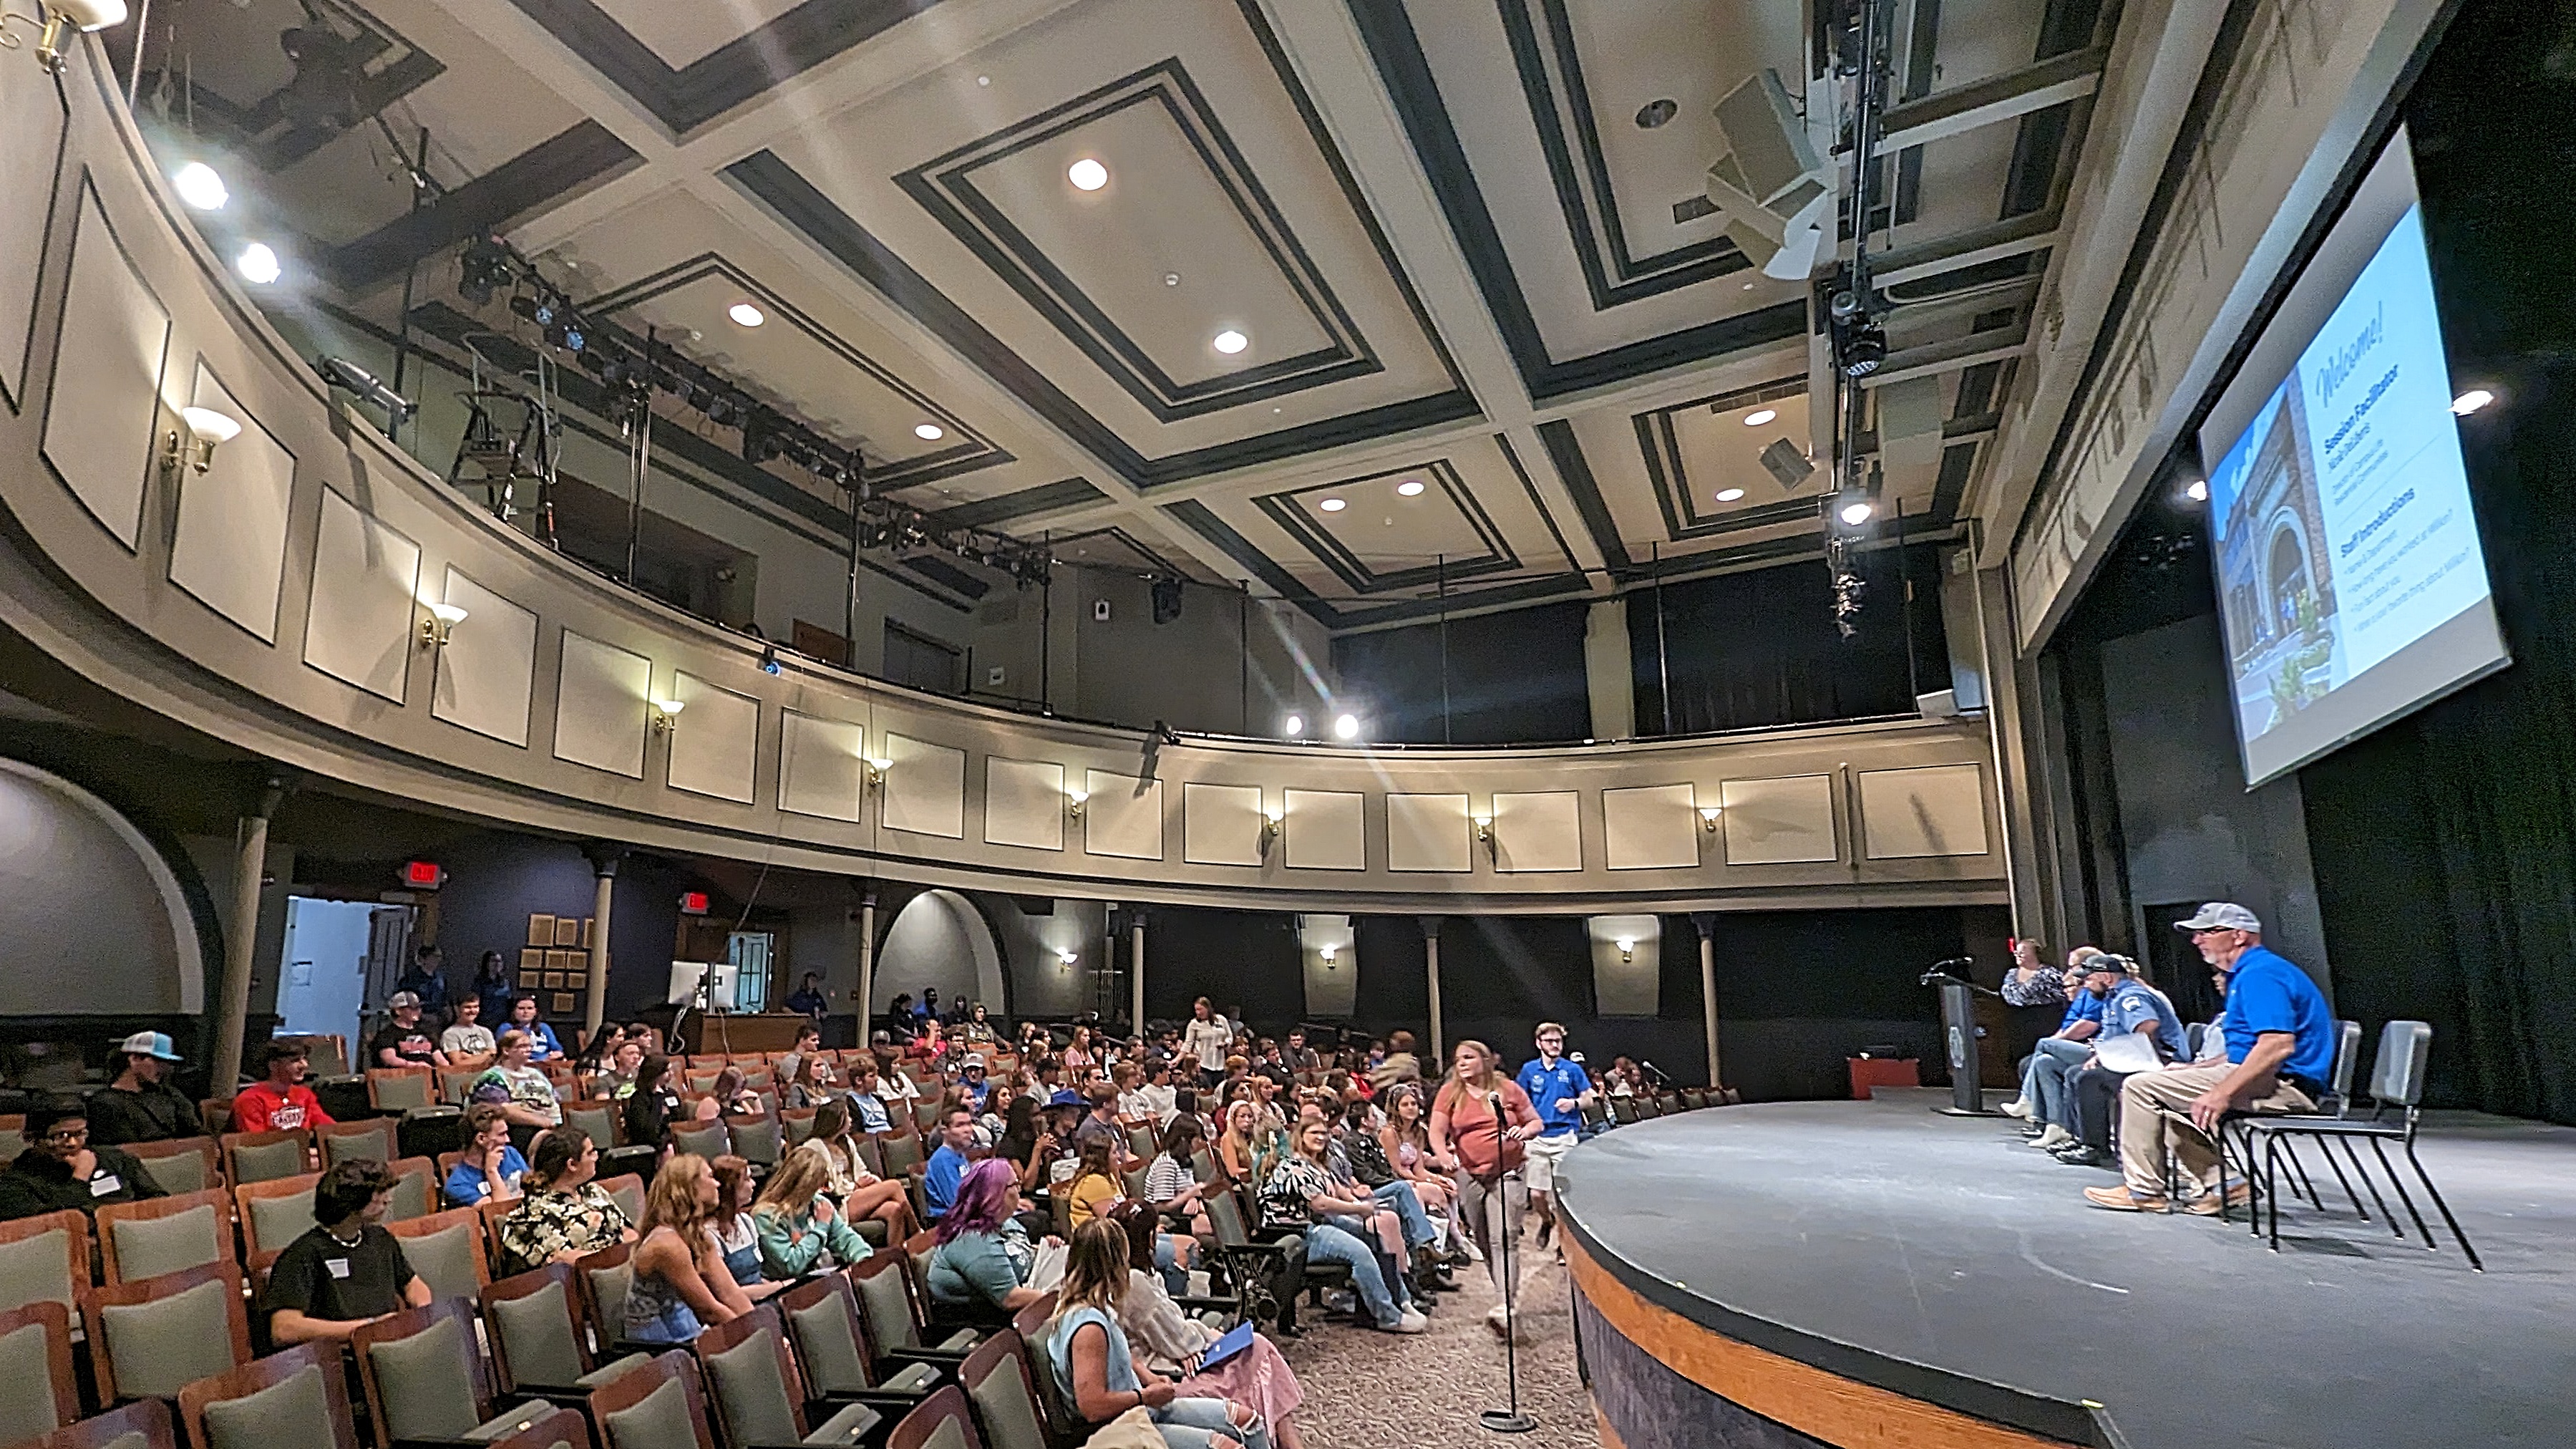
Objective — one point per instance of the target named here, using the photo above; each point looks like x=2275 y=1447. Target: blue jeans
x=1167 y=1261
x=1328 y=1244
x=2044 y=1086
x=1407 y=1203
x=1190 y=1423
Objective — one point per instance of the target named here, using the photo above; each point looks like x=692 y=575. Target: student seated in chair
x=141 y=1105
x=280 y=1100
x=62 y=1169
x=346 y=1271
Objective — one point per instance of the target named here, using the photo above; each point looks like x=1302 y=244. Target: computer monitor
x=720 y=977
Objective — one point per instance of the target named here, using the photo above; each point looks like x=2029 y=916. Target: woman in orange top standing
x=1487 y=1143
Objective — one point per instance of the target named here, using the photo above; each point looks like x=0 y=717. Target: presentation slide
x=2350 y=580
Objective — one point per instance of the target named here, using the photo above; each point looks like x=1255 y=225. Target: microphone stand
x=1511 y=1420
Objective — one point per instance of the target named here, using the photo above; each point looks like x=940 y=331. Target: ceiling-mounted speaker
x=1909 y=422
x=1786 y=462
x=1767 y=138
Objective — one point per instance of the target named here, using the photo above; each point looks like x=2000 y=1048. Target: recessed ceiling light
x=983 y=80
x=1759 y=416
x=1087 y=174
x=258 y=265
x=1333 y=505
x=745 y=314
x=1653 y=114
x=1230 y=342
x=929 y=432
x=1171 y=279
x=1729 y=495
x=199 y=186
x=1410 y=487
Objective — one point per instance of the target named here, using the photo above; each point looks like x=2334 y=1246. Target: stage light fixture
x=1409 y=488
x=1864 y=349
x=1856 y=512
x=746 y=315
x=1759 y=416
x=769 y=659
x=2471 y=401
x=440 y=626
x=929 y=432
x=1087 y=175
x=199 y=186
x=1346 y=727
x=1230 y=342
x=342 y=373
x=2197 y=490
x=1729 y=495
x=1294 y=726
x=258 y=264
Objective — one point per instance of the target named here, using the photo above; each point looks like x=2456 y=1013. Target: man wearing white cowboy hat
x=2280 y=1048
x=141 y=1105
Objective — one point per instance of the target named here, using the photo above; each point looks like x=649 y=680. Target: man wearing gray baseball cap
x=2280 y=1047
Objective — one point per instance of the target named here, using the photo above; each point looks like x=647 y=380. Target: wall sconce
x=1627 y=950
x=440 y=625
x=877 y=773
x=666 y=715
x=1708 y=818
x=62 y=16
x=1073 y=803
x=1270 y=823
x=193 y=443
x=1485 y=838
x=1328 y=953
x=1066 y=959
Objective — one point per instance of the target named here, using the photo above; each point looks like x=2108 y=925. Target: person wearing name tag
x=490 y=1169
x=61 y=1169
x=347 y=1271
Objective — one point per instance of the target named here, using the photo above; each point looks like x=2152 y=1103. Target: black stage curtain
x=1754 y=649
x=1513 y=678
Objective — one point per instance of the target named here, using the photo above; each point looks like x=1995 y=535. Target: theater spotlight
x=2471 y=401
x=1346 y=727
x=342 y=373
x=1294 y=727
x=2197 y=491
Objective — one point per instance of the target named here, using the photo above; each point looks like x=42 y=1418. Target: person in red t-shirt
x=1489 y=1146
x=280 y=1100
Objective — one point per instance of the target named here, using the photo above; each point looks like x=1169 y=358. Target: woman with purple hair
x=972 y=1268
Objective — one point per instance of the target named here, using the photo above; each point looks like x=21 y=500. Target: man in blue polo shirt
x=940 y=1174
x=1560 y=1090
x=2280 y=1048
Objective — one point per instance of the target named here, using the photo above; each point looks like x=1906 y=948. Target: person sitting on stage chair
x=2042 y=1071
x=2130 y=1007
x=2280 y=1047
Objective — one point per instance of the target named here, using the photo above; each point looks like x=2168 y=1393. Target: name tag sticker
x=103 y=1184
x=485 y=1188
x=339 y=1267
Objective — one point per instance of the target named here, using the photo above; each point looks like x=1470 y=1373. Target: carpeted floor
x=1369 y=1390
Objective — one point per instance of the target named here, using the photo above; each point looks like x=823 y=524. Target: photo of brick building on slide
x=2276 y=575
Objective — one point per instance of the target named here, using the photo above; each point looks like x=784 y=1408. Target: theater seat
x=36 y=1362
x=151 y=1338
x=293 y=1397
x=446 y=1250
x=142 y=1425
x=44 y=1259
x=751 y=1380
x=537 y=1344
x=424 y=1379
x=657 y=1404
x=164 y=1234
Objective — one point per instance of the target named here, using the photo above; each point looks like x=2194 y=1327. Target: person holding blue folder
x=1240 y=1365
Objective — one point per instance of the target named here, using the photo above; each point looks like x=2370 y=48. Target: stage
x=1874 y=1273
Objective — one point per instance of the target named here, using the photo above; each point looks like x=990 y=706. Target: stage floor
x=1886 y=1239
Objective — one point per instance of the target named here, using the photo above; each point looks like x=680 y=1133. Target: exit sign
x=693 y=903
x=422 y=875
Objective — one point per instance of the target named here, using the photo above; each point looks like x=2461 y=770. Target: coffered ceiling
x=1364 y=303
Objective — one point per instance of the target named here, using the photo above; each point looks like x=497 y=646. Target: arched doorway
x=939 y=940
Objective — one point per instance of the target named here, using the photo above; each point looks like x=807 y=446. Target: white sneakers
x=2055 y=1136
x=2016 y=1108
x=1411 y=1322
x=1498 y=1321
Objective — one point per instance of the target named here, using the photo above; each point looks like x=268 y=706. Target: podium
x=1959 y=1033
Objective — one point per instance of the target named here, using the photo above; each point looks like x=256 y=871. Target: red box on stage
x=1868 y=1072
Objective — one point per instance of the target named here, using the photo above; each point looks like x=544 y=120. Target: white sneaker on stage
x=2016 y=1108
x=2054 y=1137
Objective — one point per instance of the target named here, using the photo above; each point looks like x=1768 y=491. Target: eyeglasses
x=68 y=1135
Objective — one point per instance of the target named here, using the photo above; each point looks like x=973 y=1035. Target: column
x=1136 y=971
x=605 y=857
x=250 y=863
x=1431 y=977
x=1706 y=921
x=867 y=963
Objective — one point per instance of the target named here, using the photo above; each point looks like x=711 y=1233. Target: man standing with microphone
x=1560 y=1090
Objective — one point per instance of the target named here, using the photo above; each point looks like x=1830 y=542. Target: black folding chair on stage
x=2396 y=1083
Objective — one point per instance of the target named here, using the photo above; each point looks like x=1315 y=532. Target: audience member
x=1485 y=1120
x=652 y=1102
x=798 y=1228
x=404 y=1042
x=1558 y=1090
x=678 y=1282
x=1405 y=1138
x=1299 y=1195
x=1207 y=1039
x=947 y=1166
x=1080 y=1060
x=2280 y=1047
x=860 y=1193
x=1102 y=1118
x=279 y=1100
x=346 y=1271
x=1095 y=1180
x=809 y=1040
x=808 y=997
x=811 y=1085
x=616 y=1079
x=1177 y=1344
x=543 y=1045
x=490 y=1169
x=492 y=988
x=737 y=1237
x=1299 y=1056
x=426 y=980
x=1096 y=1372
x=60 y=1168
x=140 y=1105
x=1172 y=1186
x=971 y=1085
x=469 y=1043
x=566 y=1215
x=975 y=1028
x=733 y=1095
x=525 y=1095
x=971 y=1268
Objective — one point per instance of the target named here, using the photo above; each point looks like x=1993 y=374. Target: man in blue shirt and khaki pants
x=2280 y=1049
x=1560 y=1090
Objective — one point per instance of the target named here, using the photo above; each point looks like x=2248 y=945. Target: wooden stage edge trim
x=1821 y=1405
